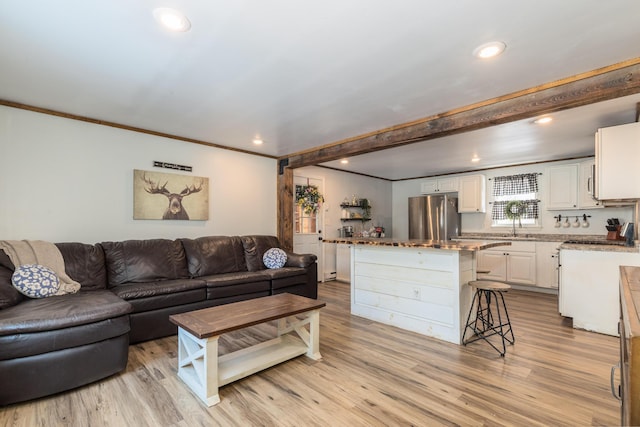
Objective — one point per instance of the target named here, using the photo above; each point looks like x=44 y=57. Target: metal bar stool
x=484 y=325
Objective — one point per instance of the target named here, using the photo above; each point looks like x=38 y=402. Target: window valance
x=515 y=184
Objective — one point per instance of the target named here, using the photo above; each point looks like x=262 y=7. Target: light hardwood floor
x=371 y=375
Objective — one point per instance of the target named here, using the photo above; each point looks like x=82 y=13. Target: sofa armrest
x=300 y=260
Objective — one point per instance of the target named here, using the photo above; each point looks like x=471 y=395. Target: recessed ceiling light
x=489 y=50
x=475 y=159
x=172 y=19
x=344 y=161
x=543 y=120
x=258 y=141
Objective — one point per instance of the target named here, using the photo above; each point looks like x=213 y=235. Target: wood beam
x=285 y=207
x=595 y=86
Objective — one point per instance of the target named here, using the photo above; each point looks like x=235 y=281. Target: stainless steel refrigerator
x=434 y=217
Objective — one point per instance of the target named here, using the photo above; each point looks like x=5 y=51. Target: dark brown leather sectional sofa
x=128 y=291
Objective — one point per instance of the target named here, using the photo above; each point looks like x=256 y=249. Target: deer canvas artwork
x=159 y=195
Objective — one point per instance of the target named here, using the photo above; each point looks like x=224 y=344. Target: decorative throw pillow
x=35 y=281
x=274 y=258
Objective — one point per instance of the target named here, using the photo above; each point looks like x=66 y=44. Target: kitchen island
x=418 y=285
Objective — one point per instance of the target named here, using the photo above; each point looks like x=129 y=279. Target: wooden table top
x=218 y=320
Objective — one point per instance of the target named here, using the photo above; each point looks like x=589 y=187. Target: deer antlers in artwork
x=175 y=209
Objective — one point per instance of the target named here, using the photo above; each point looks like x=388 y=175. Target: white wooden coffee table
x=204 y=371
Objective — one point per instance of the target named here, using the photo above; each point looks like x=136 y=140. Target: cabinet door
x=471 y=196
x=521 y=268
x=448 y=185
x=444 y=185
x=547 y=264
x=585 y=186
x=562 y=187
x=493 y=261
x=429 y=187
x=617 y=154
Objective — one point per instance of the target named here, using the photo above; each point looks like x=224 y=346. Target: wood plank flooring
x=371 y=375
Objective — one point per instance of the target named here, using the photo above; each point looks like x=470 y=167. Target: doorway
x=308 y=226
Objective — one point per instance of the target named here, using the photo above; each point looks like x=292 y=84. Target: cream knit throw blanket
x=39 y=252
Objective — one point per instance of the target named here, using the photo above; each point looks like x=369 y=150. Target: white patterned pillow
x=35 y=281
x=274 y=258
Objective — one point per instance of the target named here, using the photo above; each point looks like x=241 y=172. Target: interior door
x=307 y=227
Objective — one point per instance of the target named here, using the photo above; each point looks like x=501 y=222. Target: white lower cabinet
x=515 y=263
x=547 y=272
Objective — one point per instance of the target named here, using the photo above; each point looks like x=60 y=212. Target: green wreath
x=515 y=209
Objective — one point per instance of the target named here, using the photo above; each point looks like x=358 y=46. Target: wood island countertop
x=452 y=245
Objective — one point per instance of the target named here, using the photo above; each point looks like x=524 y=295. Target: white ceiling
x=301 y=74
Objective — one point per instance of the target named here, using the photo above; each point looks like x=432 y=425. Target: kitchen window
x=519 y=192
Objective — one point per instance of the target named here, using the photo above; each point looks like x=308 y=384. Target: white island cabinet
x=420 y=286
x=420 y=289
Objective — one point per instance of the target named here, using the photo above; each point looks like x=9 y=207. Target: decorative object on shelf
x=362 y=213
x=309 y=198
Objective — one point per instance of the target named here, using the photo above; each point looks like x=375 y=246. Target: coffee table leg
x=198 y=365
x=314 y=335
x=310 y=337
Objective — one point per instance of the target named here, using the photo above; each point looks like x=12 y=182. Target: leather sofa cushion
x=156 y=295
x=135 y=261
x=216 y=291
x=278 y=273
x=285 y=282
x=85 y=264
x=254 y=249
x=58 y=312
x=287 y=276
x=214 y=255
x=240 y=283
x=229 y=279
x=300 y=260
x=176 y=299
x=29 y=344
x=9 y=296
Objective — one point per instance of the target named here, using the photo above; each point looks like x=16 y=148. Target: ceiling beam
x=595 y=86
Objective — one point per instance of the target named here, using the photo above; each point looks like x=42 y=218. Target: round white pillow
x=274 y=258
x=35 y=281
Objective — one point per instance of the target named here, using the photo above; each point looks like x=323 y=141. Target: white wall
x=337 y=186
x=481 y=222
x=66 y=180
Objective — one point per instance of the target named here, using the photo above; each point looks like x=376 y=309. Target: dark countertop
x=453 y=245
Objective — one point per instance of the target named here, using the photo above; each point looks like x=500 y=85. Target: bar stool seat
x=488 y=302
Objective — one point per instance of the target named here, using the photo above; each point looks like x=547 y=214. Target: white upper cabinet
x=569 y=186
x=562 y=187
x=471 y=194
x=440 y=185
x=617 y=162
